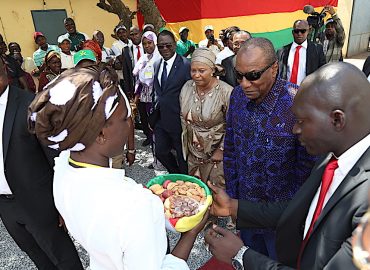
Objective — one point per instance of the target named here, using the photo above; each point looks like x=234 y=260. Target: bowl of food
x=185 y=199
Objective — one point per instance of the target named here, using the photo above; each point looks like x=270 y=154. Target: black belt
x=7 y=196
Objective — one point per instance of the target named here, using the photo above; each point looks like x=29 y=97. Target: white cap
x=63 y=38
x=208 y=27
x=182 y=29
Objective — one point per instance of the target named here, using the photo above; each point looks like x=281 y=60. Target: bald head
x=301 y=24
x=335 y=101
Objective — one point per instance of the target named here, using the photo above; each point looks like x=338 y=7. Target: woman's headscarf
x=50 y=55
x=72 y=110
x=94 y=46
x=206 y=56
x=142 y=65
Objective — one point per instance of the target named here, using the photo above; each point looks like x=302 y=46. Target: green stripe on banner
x=278 y=38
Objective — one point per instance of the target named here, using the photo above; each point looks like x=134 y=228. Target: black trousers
x=166 y=141
x=143 y=112
x=47 y=245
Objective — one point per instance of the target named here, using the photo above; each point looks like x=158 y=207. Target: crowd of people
x=281 y=138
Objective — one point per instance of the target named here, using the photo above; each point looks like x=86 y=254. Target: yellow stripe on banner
x=255 y=23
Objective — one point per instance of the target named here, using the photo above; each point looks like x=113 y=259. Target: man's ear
x=338 y=119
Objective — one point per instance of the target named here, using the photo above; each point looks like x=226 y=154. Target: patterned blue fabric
x=263 y=160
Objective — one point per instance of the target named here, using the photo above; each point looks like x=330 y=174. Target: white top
x=67 y=60
x=169 y=66
x=119 y=223
x=302 y=61
x=106 y=53
x=368 y=78
x=225 y=53
x=203 y=44
x=4 y=187
x=134 y=47
x=346 y=161
x=118 y=46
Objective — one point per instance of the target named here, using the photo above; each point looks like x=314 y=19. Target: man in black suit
x=314 y=229
x=300 y=58
x=26 y=181
x=229 y=63
x=171 y=73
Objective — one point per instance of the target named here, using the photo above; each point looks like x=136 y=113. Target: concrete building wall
x=360 y=28
x=16 y=22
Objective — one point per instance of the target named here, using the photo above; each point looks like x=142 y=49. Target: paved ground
x=12 y=258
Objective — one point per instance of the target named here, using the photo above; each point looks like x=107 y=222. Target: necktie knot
x=298 y=47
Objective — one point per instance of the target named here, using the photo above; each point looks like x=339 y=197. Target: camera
x=316 y=21
x=211 y=38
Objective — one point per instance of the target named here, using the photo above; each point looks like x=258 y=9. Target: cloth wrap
x=73 y=108
x=206 y=56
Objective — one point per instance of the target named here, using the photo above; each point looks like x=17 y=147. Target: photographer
x=333 y=40
x=214 y=44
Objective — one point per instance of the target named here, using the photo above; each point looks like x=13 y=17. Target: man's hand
x=61 y=223
x=222 y=205
x=130 y=158
x=223 y=244
x=191 y=49
x=330 y=9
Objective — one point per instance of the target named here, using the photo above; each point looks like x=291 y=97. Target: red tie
x=138 y=53
x=327 y=179
x=294 y=75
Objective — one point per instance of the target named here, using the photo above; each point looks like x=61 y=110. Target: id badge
x=148 y=75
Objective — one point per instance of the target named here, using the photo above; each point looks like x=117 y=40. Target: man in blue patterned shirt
x=263 y=160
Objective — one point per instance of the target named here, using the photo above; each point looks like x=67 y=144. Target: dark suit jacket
x=329 y=245
x=366 y=68
x=28 y=168
x=229 y=64
x=315 y=58
x=127 y=68
x=167 y=100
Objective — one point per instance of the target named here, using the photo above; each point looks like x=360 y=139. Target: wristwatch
x=237 y=261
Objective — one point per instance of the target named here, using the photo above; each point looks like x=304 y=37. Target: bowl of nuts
x=185 y=199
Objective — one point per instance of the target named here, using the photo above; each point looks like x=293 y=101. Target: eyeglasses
x=302 y=31
x=361 y=256
x=252 y=75
x=162 y=46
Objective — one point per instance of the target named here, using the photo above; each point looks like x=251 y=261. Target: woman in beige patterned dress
x=204 y=101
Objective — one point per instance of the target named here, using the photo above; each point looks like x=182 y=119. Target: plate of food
x=185 y=199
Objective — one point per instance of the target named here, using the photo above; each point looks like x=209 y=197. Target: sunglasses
x=302 y=31
x=162 y=46
x=252 y=75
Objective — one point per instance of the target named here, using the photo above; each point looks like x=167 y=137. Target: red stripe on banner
x=139 y=16
x=185 y=10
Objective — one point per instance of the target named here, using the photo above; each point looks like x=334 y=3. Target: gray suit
x=329 y=245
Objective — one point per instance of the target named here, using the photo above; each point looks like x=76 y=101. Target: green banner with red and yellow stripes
x=272 y=19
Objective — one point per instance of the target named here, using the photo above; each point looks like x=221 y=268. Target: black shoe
x=146 y=142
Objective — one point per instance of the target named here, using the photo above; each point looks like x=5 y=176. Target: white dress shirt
x=225 y=53
x=135 y=52
x=346 y=161
x=302 y=61
x=169 y=66
x=118 y=45
x=4 y=187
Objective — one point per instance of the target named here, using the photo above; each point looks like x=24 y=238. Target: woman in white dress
x=119 y=223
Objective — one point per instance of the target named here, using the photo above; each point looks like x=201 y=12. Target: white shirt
x=169 y=66
x=118 y=45
x=4 y=186
x=346 y=161
x=203 y=44
x=106 y=53
x=302 y=61
x=135 y=52
x=67 y=60
x=119 y=223
x=225 y=53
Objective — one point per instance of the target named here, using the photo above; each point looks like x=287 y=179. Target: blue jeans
x=260 y=241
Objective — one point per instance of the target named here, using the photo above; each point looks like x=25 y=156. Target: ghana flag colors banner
x=272 y=19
